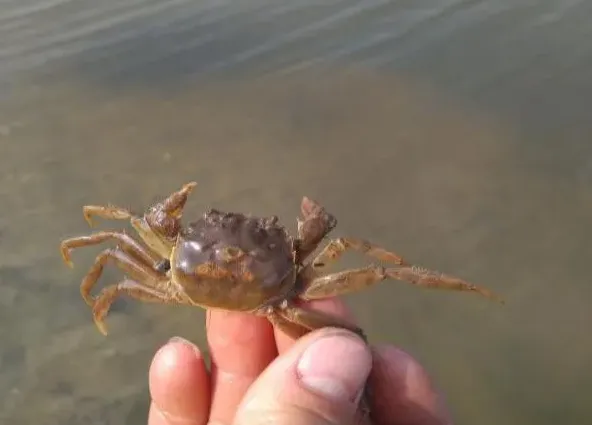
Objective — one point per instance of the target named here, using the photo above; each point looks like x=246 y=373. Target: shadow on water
x=491 y=185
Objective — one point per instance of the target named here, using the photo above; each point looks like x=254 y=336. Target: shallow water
x=454 y=132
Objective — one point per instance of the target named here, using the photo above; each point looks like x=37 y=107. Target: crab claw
x=310 y=208
x=174 y=204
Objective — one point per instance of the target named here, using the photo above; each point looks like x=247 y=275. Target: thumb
x=319 y=381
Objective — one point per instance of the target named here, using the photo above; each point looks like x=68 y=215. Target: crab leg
x=126 y=242
x=336 y=248
x=312 y=320
x=172 y=204
x=340 y=283
x=127 y=263
x=134 y=290
x=148 y=284
x=109 y=212
x=293 y=330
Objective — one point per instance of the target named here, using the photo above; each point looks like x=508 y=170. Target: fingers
x=314 y=382
x=318 y=381
x=179 y=386
x=403 y=393
x=330 y=305
x=241 y=347
x=401 y=387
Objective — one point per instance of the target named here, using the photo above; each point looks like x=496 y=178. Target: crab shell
x=235 y=262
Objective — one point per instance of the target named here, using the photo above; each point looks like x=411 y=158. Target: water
x=455 y=133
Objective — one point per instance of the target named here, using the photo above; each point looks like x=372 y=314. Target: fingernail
x=180 y=340
x=335 y=367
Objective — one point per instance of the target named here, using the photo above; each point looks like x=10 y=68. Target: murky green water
x=454 y=133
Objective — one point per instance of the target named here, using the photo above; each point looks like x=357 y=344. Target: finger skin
x=281 y=396
x=179 y=386
x=400 y=386
x=403 y=392
x=241 y=347
x=179 y=382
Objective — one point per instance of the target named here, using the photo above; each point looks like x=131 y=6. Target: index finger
x=241 y=347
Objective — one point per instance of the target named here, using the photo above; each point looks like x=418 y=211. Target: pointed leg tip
x=89 y=220
x=65 y=253
x=101 y=327
x=87 y=215
x=68 y=262
x=494 y=297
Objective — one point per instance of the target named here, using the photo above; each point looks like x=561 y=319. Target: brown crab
x=232 y=261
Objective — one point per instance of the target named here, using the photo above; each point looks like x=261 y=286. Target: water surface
x=454 y=132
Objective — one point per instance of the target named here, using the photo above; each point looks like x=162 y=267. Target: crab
x=232 y=261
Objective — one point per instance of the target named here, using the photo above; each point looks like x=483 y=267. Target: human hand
x=260 y=376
